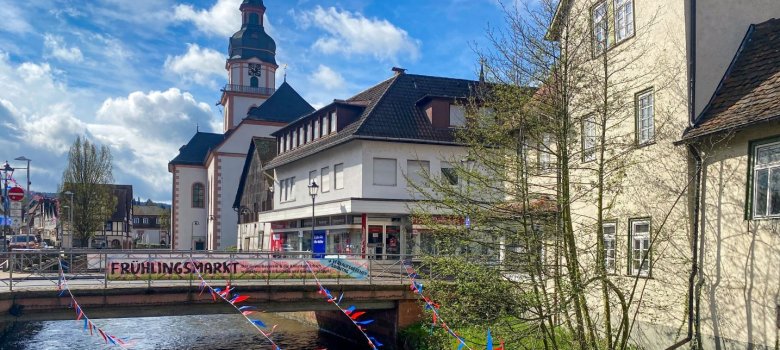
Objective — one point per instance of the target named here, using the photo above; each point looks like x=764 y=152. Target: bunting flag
x=64 y=291
x=350 y=312
x=234 y=300
x=417 y=288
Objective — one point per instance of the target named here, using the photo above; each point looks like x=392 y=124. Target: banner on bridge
x=128 y=268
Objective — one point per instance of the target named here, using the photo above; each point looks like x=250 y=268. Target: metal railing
x=24 y=270
x=249 y=89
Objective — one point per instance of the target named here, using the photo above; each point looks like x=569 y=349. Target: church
x=207 y=170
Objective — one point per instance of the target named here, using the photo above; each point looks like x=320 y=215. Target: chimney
x=399 y=71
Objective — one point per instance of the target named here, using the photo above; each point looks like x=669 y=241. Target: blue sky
x=139 y=75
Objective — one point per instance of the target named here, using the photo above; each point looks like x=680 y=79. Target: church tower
x=251 y=66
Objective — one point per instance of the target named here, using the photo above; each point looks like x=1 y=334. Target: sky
x=139 y=76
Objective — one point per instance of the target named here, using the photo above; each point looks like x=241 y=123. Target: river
x=200 y=332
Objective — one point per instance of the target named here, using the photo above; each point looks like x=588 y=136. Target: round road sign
x=16 y=194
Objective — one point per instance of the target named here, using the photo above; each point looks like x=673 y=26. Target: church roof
x=195 y=152
x=390 y=111
x=284 y=106
x=749 y=93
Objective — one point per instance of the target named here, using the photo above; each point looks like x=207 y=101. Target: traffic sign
x=16 y=194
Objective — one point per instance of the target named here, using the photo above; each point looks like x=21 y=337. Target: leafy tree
x=88 y=176
x=552 y=156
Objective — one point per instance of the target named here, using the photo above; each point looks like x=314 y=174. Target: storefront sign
x=319 y=244
x=323 y=221
x=143 y=268
x=338 y=220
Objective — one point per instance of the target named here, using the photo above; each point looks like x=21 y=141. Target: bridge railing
x=95 y=269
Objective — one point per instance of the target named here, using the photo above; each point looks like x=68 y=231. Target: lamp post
x=192 y=234
x=313 y=193
x=27 y=190
x=70 y=216
x=6 y=170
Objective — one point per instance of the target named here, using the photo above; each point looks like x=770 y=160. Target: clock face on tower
x=254 y=70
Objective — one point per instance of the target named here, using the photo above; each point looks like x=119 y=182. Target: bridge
x=120 y=284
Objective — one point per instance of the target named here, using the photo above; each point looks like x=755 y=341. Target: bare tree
x=88 y=176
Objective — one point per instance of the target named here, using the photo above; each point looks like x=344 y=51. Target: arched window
x=198 y=195
x=254 y=19
x=254 y=82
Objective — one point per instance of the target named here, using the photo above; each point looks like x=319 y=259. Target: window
x=417 y=171
x=600 y=33
x=333 y=122
x=609 y=247
x=135 y=221
x=287 y=190
x=312 y=176
x=589 y=139
x=338 y=176
x=325 y=179
x=449 y=174
x=624 y=19
x=325 y=126
x=385 y=172
x=254 y=82
x=198 y=195
x=307 y=131
x=301 y=132
x=640 y=247
x=146 y=221
x=282 y=141
x=254 y=19
x=766 y=178
x=316 y=128
x=645 y=114
x=457 y=116
x=310 y=135
x=290 y=141
x=545 y=153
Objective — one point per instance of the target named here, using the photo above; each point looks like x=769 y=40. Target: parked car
x=23 y=242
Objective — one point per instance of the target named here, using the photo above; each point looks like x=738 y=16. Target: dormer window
x=300 y=136
x=325 y=125
x=316 y=128
x=307 y=130
x=333 y=122
x=457 y=116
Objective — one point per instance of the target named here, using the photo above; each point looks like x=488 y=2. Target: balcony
x=248 y=89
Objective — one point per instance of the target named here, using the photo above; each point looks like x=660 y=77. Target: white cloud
x=353 y=33
x=198 y=65
x=220 y=20
x=40 y=116
x=12 y=19
x=58 y=49
x=327 y=78
x=145 y=130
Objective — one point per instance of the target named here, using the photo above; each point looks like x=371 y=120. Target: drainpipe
x=694 y=249
x=697 y=181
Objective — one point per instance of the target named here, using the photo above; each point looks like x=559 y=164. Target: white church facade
x=207 y=169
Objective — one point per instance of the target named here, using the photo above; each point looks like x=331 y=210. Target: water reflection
x=201 y=332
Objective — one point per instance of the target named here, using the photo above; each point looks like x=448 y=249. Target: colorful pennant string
x=234 y=299
x=64 y=290
x=417 y=288
x=350 y=312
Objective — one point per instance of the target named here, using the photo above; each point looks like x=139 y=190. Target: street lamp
x=192 y=234
x=70 y=216
x=6 y=205
x=313 y=193
x=27 y=191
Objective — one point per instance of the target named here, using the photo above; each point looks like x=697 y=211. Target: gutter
x=697 y=183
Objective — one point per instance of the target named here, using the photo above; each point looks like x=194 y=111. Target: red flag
x=240 y=299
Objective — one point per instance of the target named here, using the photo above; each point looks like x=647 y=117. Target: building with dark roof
x=207 y=169
x=361 y=152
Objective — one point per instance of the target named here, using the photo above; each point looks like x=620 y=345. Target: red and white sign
x=16 y=194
